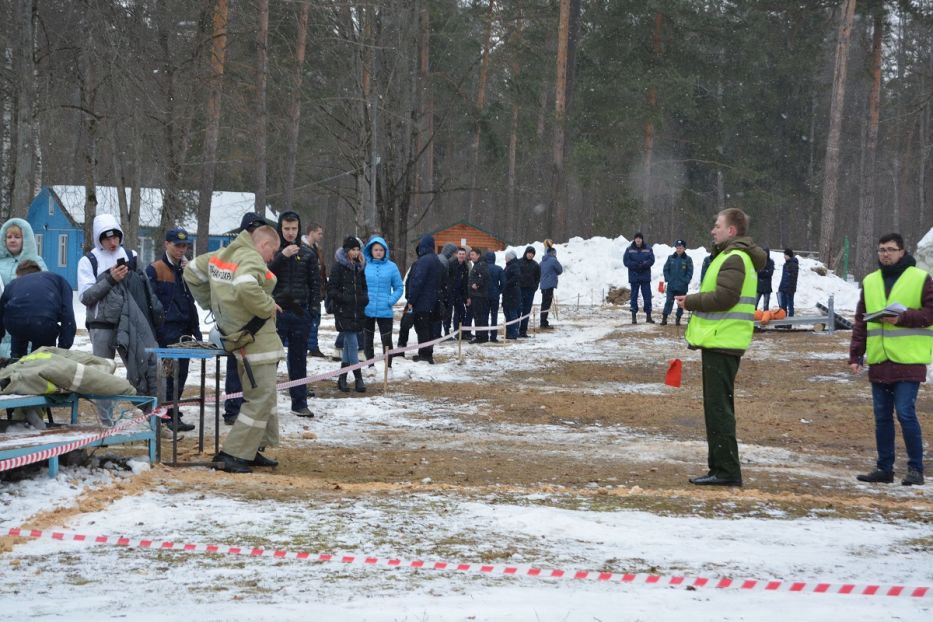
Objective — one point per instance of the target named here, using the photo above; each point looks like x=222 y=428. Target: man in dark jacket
x=181 y=314
x=448 y=257
x=297 y=288
x=788 y=285
x=479 y=295
x=313 y=239
x=528 y=281
x=678 y=271
x=764 y=281
x=458 y=274
x=897 y=348
x=424 y=279
x=36 y=310
x=512 y=294
x=496 y=283
x=639 y=258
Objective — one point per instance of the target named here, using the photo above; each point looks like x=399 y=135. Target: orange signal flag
x=660 y=287
x=674 y=373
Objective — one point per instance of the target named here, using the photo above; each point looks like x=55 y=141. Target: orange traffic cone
x=674 y=372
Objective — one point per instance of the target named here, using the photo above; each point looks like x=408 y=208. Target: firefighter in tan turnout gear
x=235 y=283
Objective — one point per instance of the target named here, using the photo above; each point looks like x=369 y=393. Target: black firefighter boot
x=649 y=319
x=342 y=383
x=634 y=318
x=360 y=387
x=664 y=320
x=677 y=319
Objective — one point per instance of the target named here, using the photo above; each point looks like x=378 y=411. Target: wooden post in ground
x=385 y=371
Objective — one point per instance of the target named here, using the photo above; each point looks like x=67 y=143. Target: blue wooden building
x=56 y=215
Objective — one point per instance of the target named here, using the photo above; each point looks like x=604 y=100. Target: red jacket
x=888 y=371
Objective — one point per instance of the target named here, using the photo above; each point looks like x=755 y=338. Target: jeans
x=29 y=334
x=511 y=313
x=294 y=328
x=338 y=342
x=528 y=298
x=902 y=398
x=645 y=289
x=313 y=326
x=786 y=302
x=232 y=384
x=351 y=348
x=493 y=318
x=369 y=334
x=547 y=296
x=767 y=297
x=669 y=302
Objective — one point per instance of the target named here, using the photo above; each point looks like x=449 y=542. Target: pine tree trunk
x=262 y=109
x=479 y=108
x=557 y=217
x=652 y=101
x=23 y=189
x=866 y=224
x=424 y=144
x=6 y=136
x=212 y=131
x=294 y=106
x=831 y=161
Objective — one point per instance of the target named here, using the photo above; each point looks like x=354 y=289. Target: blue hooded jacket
x=639 y=262
x=424 y=277
x=496 y=278
x=383 y=280
x=550 y=269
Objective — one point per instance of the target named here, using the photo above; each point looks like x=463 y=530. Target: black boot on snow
x=664 y=320
x=342 y=383
x=634 y=318
x=360 y=387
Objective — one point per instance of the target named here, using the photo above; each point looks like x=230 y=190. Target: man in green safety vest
x=721 y=328
x=897 y=343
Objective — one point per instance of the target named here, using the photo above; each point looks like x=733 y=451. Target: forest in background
x=528 y=118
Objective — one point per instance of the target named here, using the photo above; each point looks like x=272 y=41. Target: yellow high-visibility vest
x=731 y=329
x=887 y=342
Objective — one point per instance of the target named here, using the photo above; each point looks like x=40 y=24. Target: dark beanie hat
x=350 y=242
x=638 y=235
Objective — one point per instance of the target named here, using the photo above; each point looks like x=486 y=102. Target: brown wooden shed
x=467 y=235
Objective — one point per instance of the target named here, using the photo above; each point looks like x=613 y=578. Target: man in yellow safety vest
x=897 y=344
x=721 y=328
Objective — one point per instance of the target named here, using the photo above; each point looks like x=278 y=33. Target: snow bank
x=592 y=266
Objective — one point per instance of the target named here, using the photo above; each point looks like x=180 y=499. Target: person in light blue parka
x=384 y=282
x=19 y=244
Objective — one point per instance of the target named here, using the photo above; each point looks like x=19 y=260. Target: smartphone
x=121 y=261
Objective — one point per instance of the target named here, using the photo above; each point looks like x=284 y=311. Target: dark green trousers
x=719 y=372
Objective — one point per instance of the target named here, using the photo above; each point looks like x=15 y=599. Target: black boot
x=230 y=464
x=634 y=318
x=360 y=387
x=677 y=319
x=664 y=320
x=648 y=319
x=342 y=383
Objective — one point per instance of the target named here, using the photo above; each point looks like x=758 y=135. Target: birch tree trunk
x=294 y=106
x=831 y=161
x=424 y=180
x=24 y=62
x=262 y=113
x=218 y=56
x=866 y=220
x=6 y=137
x=511 y=212
x=479 y=108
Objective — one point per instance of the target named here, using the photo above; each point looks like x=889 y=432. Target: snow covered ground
x=50 y=579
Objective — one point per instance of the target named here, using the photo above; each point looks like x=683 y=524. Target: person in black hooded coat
x=530 y=277
x=346 y=288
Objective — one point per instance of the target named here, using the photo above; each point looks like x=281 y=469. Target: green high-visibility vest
x=731 y=329
x=887 y=342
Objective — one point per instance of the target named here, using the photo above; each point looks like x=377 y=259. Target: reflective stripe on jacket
x=887 y=342
x=730 y=329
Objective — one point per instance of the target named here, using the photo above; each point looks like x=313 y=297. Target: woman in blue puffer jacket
x=384 y=282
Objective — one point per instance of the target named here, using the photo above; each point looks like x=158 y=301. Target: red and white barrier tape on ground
x=379 y=357
x=801 y=587
x=45 y=454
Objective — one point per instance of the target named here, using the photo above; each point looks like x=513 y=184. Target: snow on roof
x=226 y=207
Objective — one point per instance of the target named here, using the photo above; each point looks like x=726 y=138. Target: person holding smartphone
x=112 y=287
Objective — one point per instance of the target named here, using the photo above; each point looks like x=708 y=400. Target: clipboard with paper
x=892 y=310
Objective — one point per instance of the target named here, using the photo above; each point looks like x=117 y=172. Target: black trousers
x=424 y=330
x=547 y=296
x=480 y=308
x=369 y=334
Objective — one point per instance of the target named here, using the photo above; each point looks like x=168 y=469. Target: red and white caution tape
x=45 y=454
x=688 y=582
